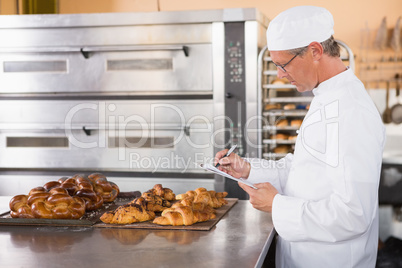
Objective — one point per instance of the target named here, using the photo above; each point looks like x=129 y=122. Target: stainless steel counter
x=240 y=239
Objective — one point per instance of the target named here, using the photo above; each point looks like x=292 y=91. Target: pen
x=228 y=153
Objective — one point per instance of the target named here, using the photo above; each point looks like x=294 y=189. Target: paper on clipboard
x=213 y=169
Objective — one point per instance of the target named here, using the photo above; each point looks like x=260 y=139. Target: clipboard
x=213 y=169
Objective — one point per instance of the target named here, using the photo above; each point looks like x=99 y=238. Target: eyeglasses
x=282 y=67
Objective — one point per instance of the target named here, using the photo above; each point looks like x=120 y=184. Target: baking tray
x=200 y=226
x=89 y=219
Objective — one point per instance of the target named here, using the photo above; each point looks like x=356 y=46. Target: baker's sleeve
x=274 y=172
x=350 y=209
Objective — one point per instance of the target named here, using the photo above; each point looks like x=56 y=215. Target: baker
x=324 y=196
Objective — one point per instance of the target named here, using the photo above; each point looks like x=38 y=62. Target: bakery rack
x=282 y=107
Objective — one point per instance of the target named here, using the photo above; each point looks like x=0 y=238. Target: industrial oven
x=140 y=97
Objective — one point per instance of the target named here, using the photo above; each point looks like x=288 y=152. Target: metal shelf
x=279 y=86
x=270 y=72
x=285 y=113
x=272 y=141
x=278 y=128
x=288 y=99
x=273 y=155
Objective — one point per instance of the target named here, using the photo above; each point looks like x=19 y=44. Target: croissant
x=201 y=195
x=195 y=205
x=129 y=213
x=182 y=215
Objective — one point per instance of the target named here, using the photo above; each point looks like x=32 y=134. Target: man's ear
x=316 y=50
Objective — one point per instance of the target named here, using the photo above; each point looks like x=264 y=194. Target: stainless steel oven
x=137 y=96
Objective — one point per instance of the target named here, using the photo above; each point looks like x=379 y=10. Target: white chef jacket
x=326 y=212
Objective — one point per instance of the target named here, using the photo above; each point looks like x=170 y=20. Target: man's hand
x=233 y=165
x=262 y=197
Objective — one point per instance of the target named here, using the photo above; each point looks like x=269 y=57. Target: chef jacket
x=326 y=212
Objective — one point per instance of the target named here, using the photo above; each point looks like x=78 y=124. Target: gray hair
x=330 y=46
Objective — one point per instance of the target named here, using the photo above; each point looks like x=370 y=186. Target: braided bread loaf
x=56 y=204
x=65 y=198
x=106 y=189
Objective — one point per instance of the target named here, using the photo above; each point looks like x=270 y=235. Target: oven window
x=52 y=142
x=34 y=66
x=140 y=64
x=141 y=142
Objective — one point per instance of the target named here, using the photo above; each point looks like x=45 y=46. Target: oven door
x=127 y=70
x=132 y=135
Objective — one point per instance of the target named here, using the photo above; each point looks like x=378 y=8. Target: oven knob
x=229 y=95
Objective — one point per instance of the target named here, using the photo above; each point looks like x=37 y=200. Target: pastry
x=182 y=215
x=165 y=193
x=212 y=198
x=129 y=213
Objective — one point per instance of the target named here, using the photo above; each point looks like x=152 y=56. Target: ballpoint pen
x=228 y=153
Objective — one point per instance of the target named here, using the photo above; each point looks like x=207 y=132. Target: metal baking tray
x=199 y=226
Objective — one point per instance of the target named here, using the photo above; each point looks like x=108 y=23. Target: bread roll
x=279 y=136
x=293 y=137
x=296 y=122
x=282 y=149
x=282 y=123
x=289 y=107
x=272 y=106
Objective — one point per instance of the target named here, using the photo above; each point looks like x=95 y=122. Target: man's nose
x=280 y=73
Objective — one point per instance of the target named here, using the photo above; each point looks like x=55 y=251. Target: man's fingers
x=220 y=155
x=245 y=187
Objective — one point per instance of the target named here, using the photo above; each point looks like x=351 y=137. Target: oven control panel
x=235 y=96
x=235 y=86
x=235 y=61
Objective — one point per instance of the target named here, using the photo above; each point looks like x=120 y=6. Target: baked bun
x=282 y=123
x=272 y=106
x=279 y=136
x=296 y=122
x=289 y=107
x=282 y=149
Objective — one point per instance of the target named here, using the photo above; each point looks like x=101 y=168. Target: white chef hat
x=298 y=27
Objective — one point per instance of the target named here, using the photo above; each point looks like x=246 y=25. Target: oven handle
x=85 y=51
x=186 y=129
x=88 y=129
